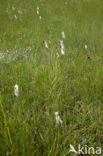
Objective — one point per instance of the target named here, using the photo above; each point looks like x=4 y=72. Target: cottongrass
x=13 y=8
x=15 y=16
x=40 y=17
x=62 y=44
x=62 y=47
x=62 y=51
x=19 y=12
x=37 y=10
x=58 y=120
x=46 y=45
x=85 y=46
x=16 y=90
x=63 y=34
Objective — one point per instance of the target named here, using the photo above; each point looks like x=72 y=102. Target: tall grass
x=71 y=84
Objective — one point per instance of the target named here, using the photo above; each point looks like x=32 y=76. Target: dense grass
x=71 y=84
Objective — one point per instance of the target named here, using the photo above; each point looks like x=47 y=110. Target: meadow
x=68 y=82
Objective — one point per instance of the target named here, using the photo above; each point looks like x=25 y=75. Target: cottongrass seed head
x=16 y=90
x=56 y=113
x=63 y=34
x=58 y=120
x=13 y=8
x=19 y=12
x=46 y=45
x=62 y=44
x=15 y=16
x=40 y=17
x=62 y=47
x=37 y=11
x=85 y=46
x=62 y=51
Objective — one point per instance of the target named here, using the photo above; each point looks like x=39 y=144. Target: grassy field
x=49 y=82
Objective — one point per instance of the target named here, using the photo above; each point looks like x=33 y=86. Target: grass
x=71 y=84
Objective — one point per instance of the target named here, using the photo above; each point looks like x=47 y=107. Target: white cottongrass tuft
x=46 y=45
x=37 y=11
x=62 y=44
x=85 y=46
x=62 y=47
x=56 y=113
x=16 y=90
x=40 y=17
x=13 y=8
x=62 y=51
x=58 y=120
x=15 y=16
x=19 y=12
x=63 y=34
